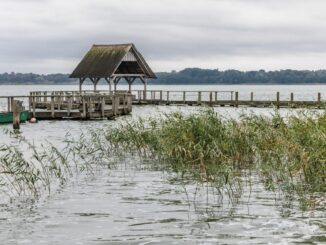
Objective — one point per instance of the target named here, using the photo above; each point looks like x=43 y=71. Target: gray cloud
x=52 y=35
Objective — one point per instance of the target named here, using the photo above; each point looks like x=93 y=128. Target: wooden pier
x=161 y=97
x=84 y=105
x=65 y=105
x=221 y=98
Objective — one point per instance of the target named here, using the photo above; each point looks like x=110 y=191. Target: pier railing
x=68 y=102
x=214 y=98
x=67 y=105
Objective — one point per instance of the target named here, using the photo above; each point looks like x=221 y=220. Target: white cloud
x=52 y=35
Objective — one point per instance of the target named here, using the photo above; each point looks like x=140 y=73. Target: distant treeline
x=190 y=76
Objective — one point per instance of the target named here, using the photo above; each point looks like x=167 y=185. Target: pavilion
x=113 y=62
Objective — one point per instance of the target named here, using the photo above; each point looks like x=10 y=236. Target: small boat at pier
x=7 y=117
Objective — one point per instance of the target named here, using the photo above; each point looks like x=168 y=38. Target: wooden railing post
x=69 y=105
x=291 y=97
x=161 y=95
x=90 y=106
x=215 y=96
x=167 y=96
x=52 y=106
x=8 y=105
x=144 y=94
x=34 y=106
x=236 y=99
x=252 y=97
x=199 y=97
x=318 y=99
x=84 y=115
x=139 y=96
x=211 y=98
x=29 y=102
x=102 y=106
x=184 y=97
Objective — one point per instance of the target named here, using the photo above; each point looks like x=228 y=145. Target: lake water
x=133 y=205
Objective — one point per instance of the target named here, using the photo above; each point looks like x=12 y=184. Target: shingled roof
x=103 y=61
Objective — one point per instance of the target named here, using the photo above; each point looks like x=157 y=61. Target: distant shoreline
x=188 y=76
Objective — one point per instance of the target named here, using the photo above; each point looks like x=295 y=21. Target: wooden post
x=167 y=96
x=16 y=109
x=90 y=107
x=211 y=98
x=34 y=105
x=236 y=99
x=109 y=81
x=30 y=102
x=8 y=105
x=52 y=106
x=184 y=97
x=145 y=88
x=69 y=105
x=115 y=104
x=252 y=96
x=161 y=95
x=278 y=100
x=129 y=83
x=81 y=80
x=129 y=102
x=84 y=107
x=291 y=97
x=45 y=97
x=59 y=100
x=139 y=96
x=95 y=81
x=318 y=99
x=199 y=97
x=215 y=96
x=102 y=106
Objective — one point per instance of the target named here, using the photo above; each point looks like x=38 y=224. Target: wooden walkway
x=210 y=98
x=56 y=105
x=68 y=106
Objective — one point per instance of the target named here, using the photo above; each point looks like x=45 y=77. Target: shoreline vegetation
x=288 y=154
x=188 y=76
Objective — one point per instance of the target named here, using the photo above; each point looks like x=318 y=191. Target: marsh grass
x=27 y=170
x=288 y=154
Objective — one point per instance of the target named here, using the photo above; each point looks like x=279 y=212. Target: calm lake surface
x=129 y=204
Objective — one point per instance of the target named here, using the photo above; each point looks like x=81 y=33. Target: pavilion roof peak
x=107 y=60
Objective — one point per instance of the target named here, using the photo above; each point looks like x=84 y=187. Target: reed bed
x=288 y=154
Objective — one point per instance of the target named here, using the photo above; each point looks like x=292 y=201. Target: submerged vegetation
x=287 y=154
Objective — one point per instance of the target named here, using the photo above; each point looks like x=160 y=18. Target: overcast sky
x=49 y=36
